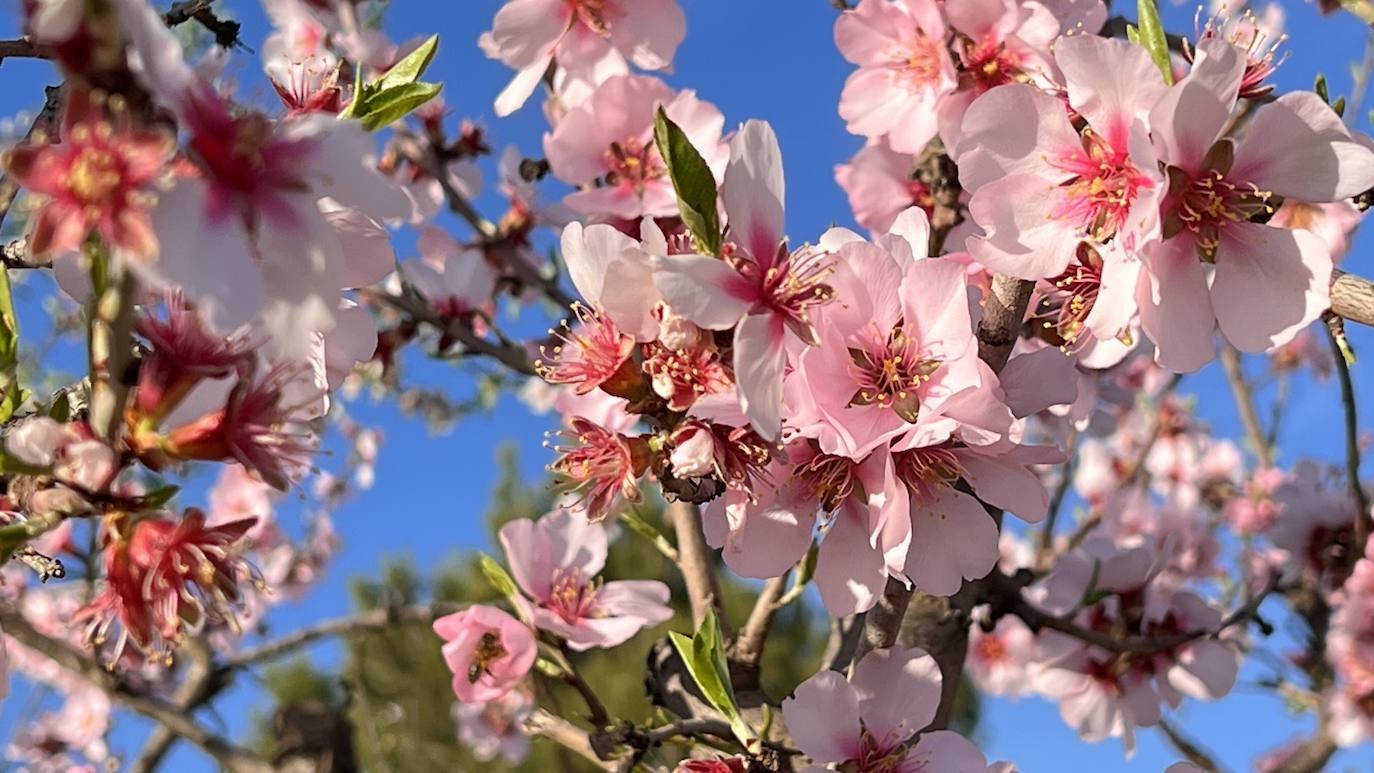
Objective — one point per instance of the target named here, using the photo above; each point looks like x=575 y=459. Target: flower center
x=1209 y=202
x=889 y=371
x=917 y=67
x=489 y=649
x=789 y=284
x=593 y=15
x=633 y=163
x=94 y=177
x=926 y=470
x=1098 y=198
x=571 y=597
x=1064 y=311
x=830 y=479
x=879 y=755
x=991 y=64
x=991 y=649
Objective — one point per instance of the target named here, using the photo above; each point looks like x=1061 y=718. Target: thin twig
x=24 y=48
x=226 y=755
x=412 y=305
x=1045 y=541
x=565 y=733
x=1188 y=748
x=1245 y=404
x=371 y=620
x=748 y=647
x=1352 y=446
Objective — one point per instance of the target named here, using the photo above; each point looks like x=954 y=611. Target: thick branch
x=694 y=559
x=24 y=48
x=748 y=647
x=225 y=754
x=1003 y=311
x=566 y=734
x=1352 y=297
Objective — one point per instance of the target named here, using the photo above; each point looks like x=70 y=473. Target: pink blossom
x=613 y=273
x=881 y=183
x=247 y=229
x=456 y=280
x=580 y=35
x=610 y=138
x=603 y=466
x=865 y=724
x=1000 y=660
x=1103 y=185
x=488 y=651
x=495 y=728
x=555 y=561
x=96 y=177
x=904 y=70
x=70 y=452
x=1268 y=282
x=1334 y=222
x=759 y=288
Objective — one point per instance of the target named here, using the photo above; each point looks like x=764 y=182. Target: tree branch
x=1352 y=297
x=1003 y=311
x=566 y=734
x=226 y=755
x=1188 y=748
x=748 y=648
x=1352 y=447
x=371 y=620
x=1245 y=404
x=24 y=48
x=694 y=559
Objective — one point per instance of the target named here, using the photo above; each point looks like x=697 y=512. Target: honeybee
x=488 y=649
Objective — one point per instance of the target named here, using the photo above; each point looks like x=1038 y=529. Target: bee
x=488 y=649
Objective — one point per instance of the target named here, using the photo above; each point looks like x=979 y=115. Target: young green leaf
x=10 y=394
x=692 y=181
x=409 y=69
x=704 y=655
x=1319 y=86
x=395 y=103
x=1152 y=38
x=498 y=577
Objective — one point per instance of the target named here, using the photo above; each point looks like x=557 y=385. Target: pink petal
x=991 y=147
x=518 y=91
x=1176 y=307
x=947 y=752
x=753 y=191
x=649 y=32
x=1269 y=284
x=850 y=572
x=899 y=691
x=759 y=361
x=529 y=556
x=1033 y=382
x=1206 y=670
x=703 y=289
x=1005 y=482
x=610 y=271
x=1021 y=239
x=1112 y=83
x=525 y=31
x=1298 y=148
x=823 y=717
x=774 y=535
x=952 y=539
x=1188 y=119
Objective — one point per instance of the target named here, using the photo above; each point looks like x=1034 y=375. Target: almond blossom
x=1267 y=283
x=580 y=35
x=97 y=176
x=904 y=69
x=760 y=287
x=881 y=184
x=610 y=139
x=865 y=723
x=555 y=560
x=488 y=651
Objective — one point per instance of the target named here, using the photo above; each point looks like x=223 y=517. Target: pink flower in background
x=581 y=35
x=610 y=138
x=1000 y=661
x=881 y=184
x=904 y=70
x=555 y=561
x=1268 y=283
x=456 y=280
x=759 y=288
x=96 y=176
x=495 y=728
x=865 y=724
x=488 y=651
x=1334 y=223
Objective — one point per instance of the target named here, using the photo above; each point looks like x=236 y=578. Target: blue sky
x=774 y=60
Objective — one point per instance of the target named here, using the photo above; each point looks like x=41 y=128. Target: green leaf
x=358 y=93
x=692 y=181
x=1151 y=37
x=807 y=568
x=160 y=496
x=1319 y=86
x=704 y=655
x=11 y=396
x=396 y=103
x=409 y=69
x=1339 y=106
x=501 y=580
x=1132 y=34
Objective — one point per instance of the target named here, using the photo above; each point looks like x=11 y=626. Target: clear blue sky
x=775 y=60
